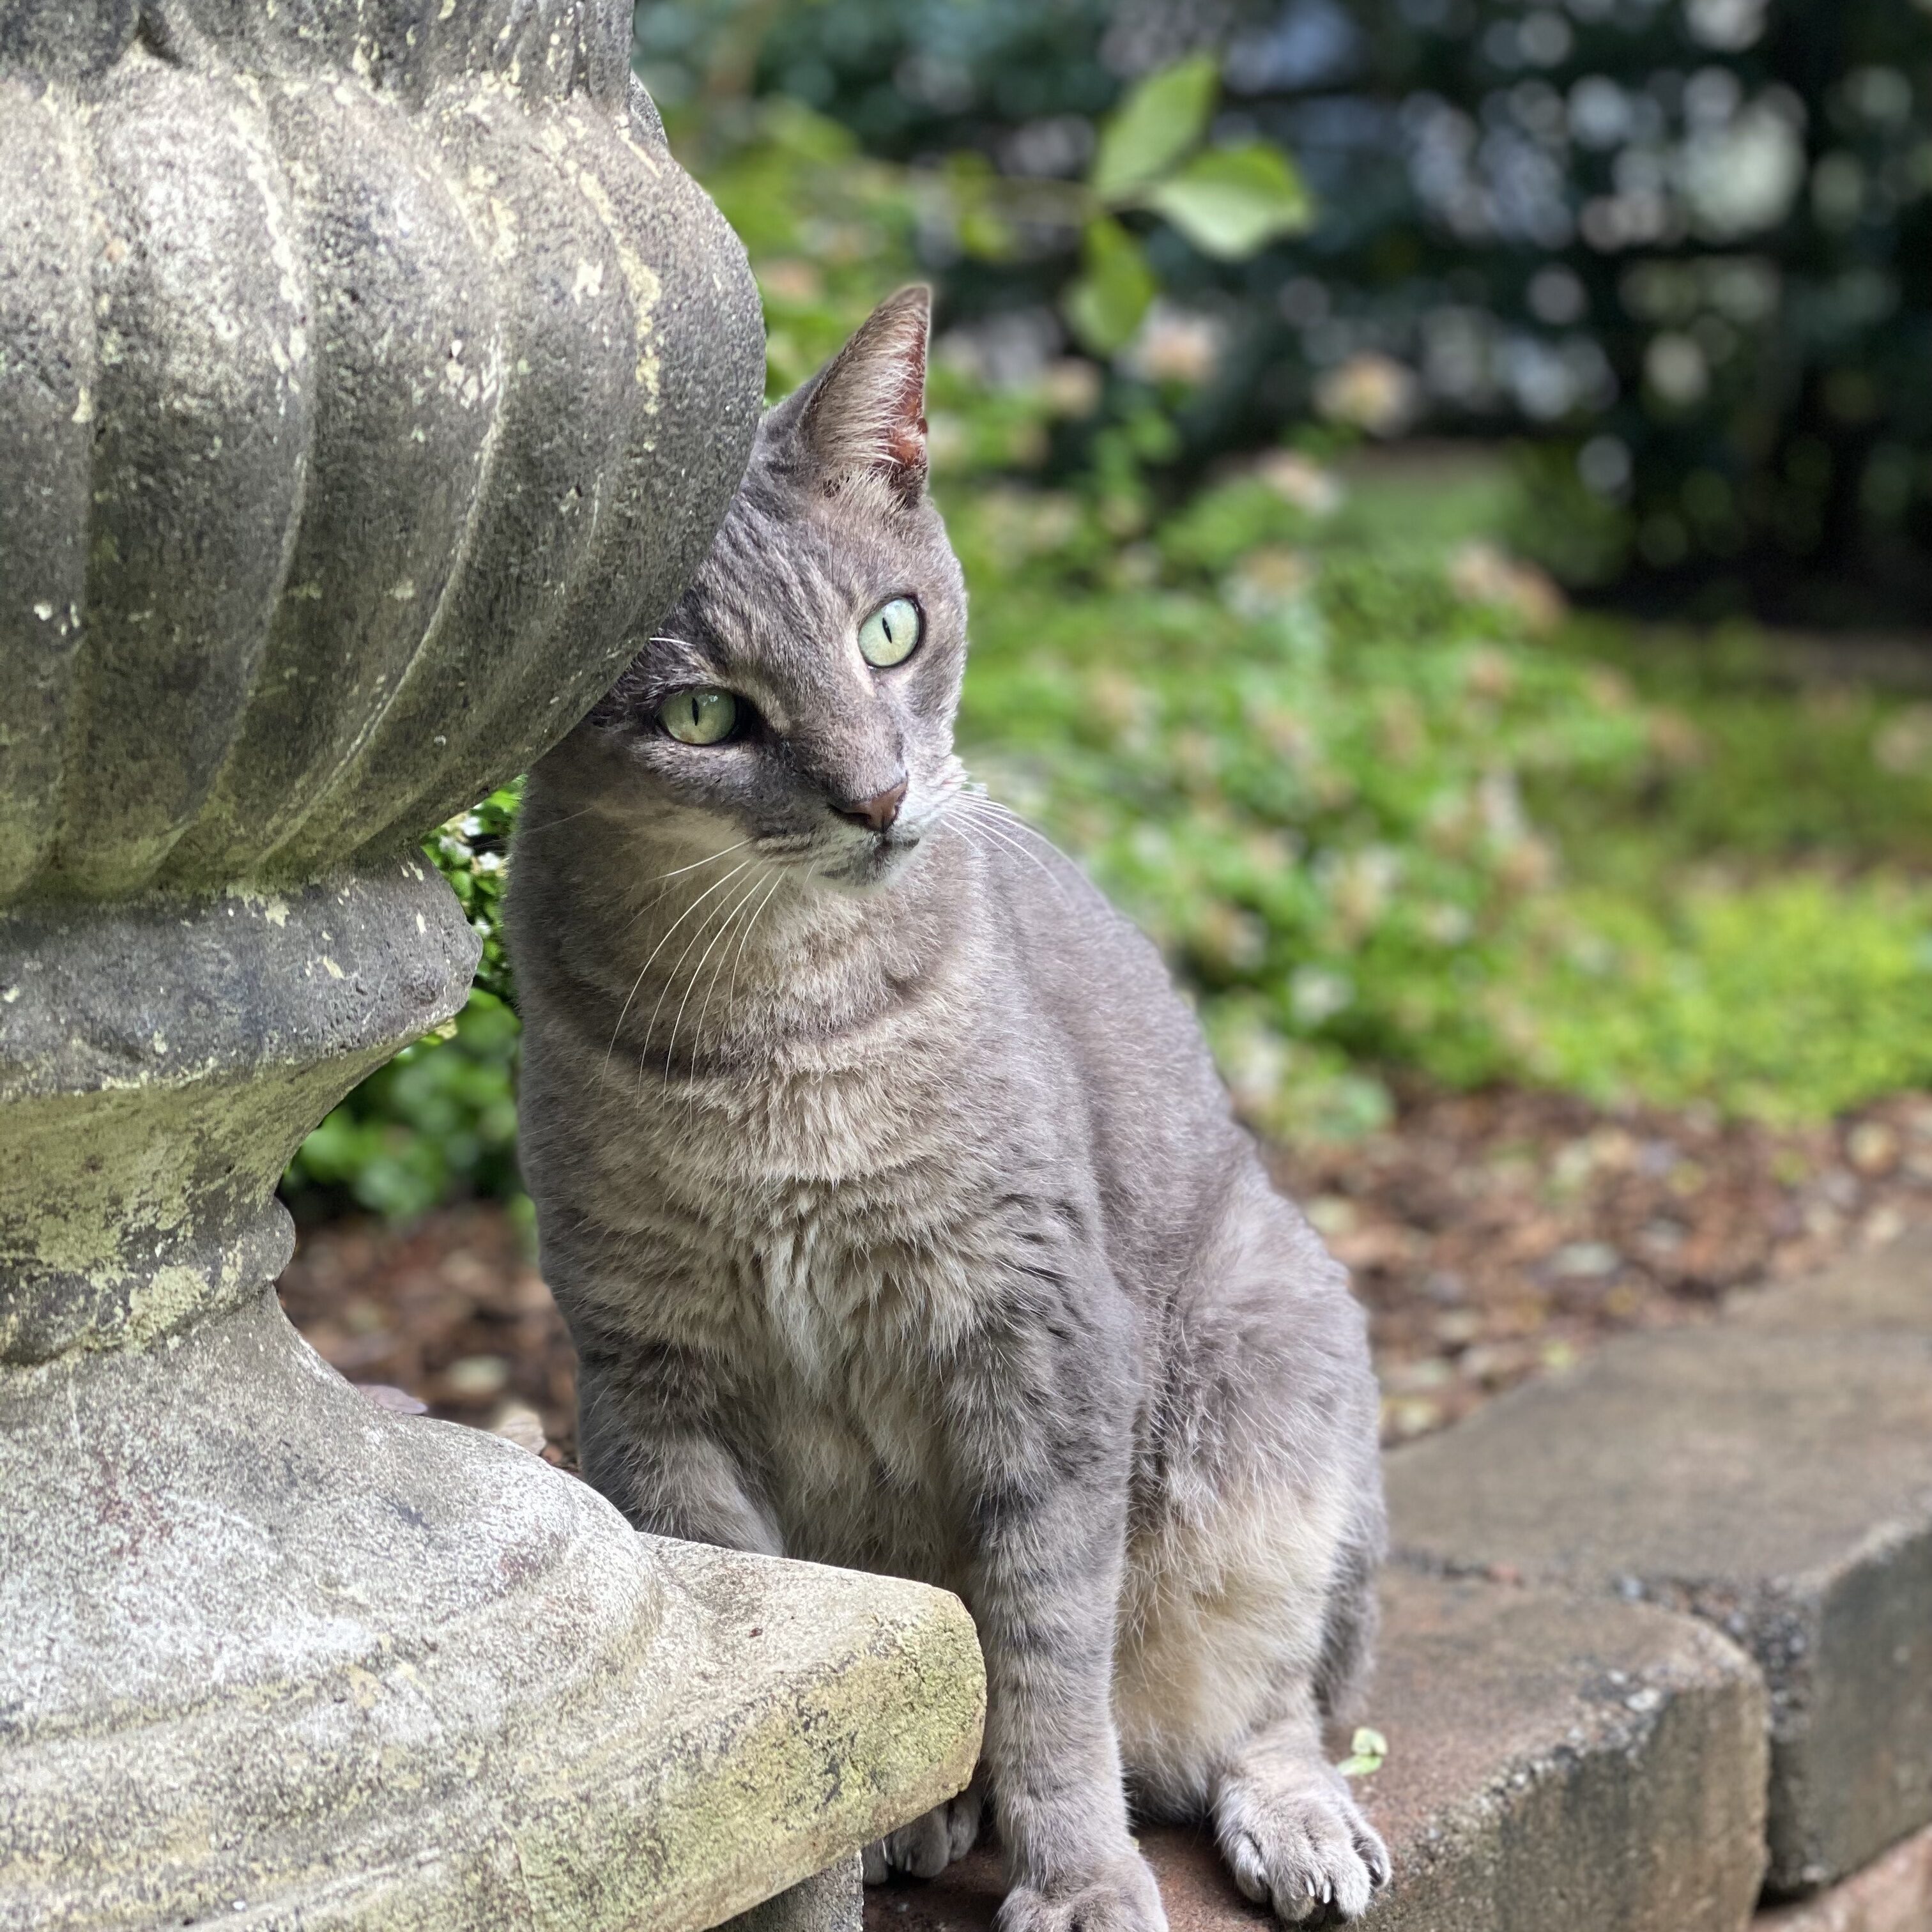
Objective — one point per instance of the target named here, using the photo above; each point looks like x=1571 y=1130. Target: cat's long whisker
x=984 y=800
x=678 y=871
x=657 y=898
x=974 y=836
x=550 y=825
x=738 y=954
x=992 y=833
x=738 y=958
x=778 y=879
x=980 y=835
x=723 y=931
x=658 y=948
x=980 y=795
x=993 y=827
x=704 y=926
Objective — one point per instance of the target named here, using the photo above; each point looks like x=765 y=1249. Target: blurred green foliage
x=438 y=1122
x=1390 y=810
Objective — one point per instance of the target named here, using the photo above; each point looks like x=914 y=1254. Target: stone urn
x=369 y=374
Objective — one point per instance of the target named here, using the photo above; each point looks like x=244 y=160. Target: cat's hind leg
x=1289 y=1827
x=1246 y=1625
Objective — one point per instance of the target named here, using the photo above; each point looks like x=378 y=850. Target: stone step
x=1772 y=1475
x=1556 y=1764
x=1893 y=1894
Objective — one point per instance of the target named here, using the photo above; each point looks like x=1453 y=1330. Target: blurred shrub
x=1684 y=245
x=1787 y=998
x=469 y=852
x=438 y=1122
x=1298 y=762
x=1383 y=805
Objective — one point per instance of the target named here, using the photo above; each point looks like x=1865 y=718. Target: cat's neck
x=727 y=959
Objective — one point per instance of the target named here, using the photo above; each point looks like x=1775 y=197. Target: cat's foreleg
x=1047 y=1526
x=649 y=1439
x=1288 y=1824
x=926 y=1846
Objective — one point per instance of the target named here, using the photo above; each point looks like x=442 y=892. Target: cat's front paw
x=1303 y=1848
x=926 y=1846
x=1118 y=1897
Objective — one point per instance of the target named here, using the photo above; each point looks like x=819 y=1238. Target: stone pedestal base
x=276 y=1654
x=269 y=1654
x=834 y=1901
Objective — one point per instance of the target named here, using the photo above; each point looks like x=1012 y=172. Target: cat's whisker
x=738 y=958
x=993 y=827
x=996 y=837
x=528 y=831
x=658 y=948
x=671 y=977
x=985 y=799
x=657 y=898
x=690 y=1097
x=981 y=796
x=678 y=871
x=723 y=931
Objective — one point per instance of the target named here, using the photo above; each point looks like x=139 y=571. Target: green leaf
x=1106 y=304
x=984 y=231
x=1368 y=1751
x=1160 y=119
x=1232 y=202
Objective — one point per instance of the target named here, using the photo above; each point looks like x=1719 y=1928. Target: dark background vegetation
x=1681 y=246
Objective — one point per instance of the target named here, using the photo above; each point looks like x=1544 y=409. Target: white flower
x=1175 y=345
x=1373 y=392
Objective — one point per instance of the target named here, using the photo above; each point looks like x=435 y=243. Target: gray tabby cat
x=899 y=1214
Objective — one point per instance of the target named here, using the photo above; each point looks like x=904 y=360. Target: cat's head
x=801 y=696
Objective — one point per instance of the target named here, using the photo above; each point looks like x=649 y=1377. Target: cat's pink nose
x=879 y=810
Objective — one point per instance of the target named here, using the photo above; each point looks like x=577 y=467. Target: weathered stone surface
x=1557 y=1764
x=832 y=1902
x=1889 y=1290
x=1892 y=1893
x=1775 y=1480
x=160 y=1064
x=266 y=1643
x=378 y=373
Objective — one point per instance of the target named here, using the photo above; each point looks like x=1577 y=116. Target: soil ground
x=1490 y=1235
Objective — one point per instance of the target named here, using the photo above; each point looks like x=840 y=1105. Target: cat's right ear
x=864 y=417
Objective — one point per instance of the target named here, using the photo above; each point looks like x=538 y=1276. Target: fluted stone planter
x=368 y=374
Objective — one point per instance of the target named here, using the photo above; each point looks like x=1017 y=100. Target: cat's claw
x=1120 y=1896
x=926 y=1846
x=1308 y=1853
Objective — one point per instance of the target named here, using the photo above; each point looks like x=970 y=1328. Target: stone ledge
x=1774 y=1477
x=396 y=1675
x=1557 y=1764
x=1893 y=1893
x=833 y=1901
x=1887 y=1290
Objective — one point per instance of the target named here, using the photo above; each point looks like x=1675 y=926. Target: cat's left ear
x=866 y=416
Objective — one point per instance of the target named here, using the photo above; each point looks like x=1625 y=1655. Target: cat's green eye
x=891 y=633
x=700 y=717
